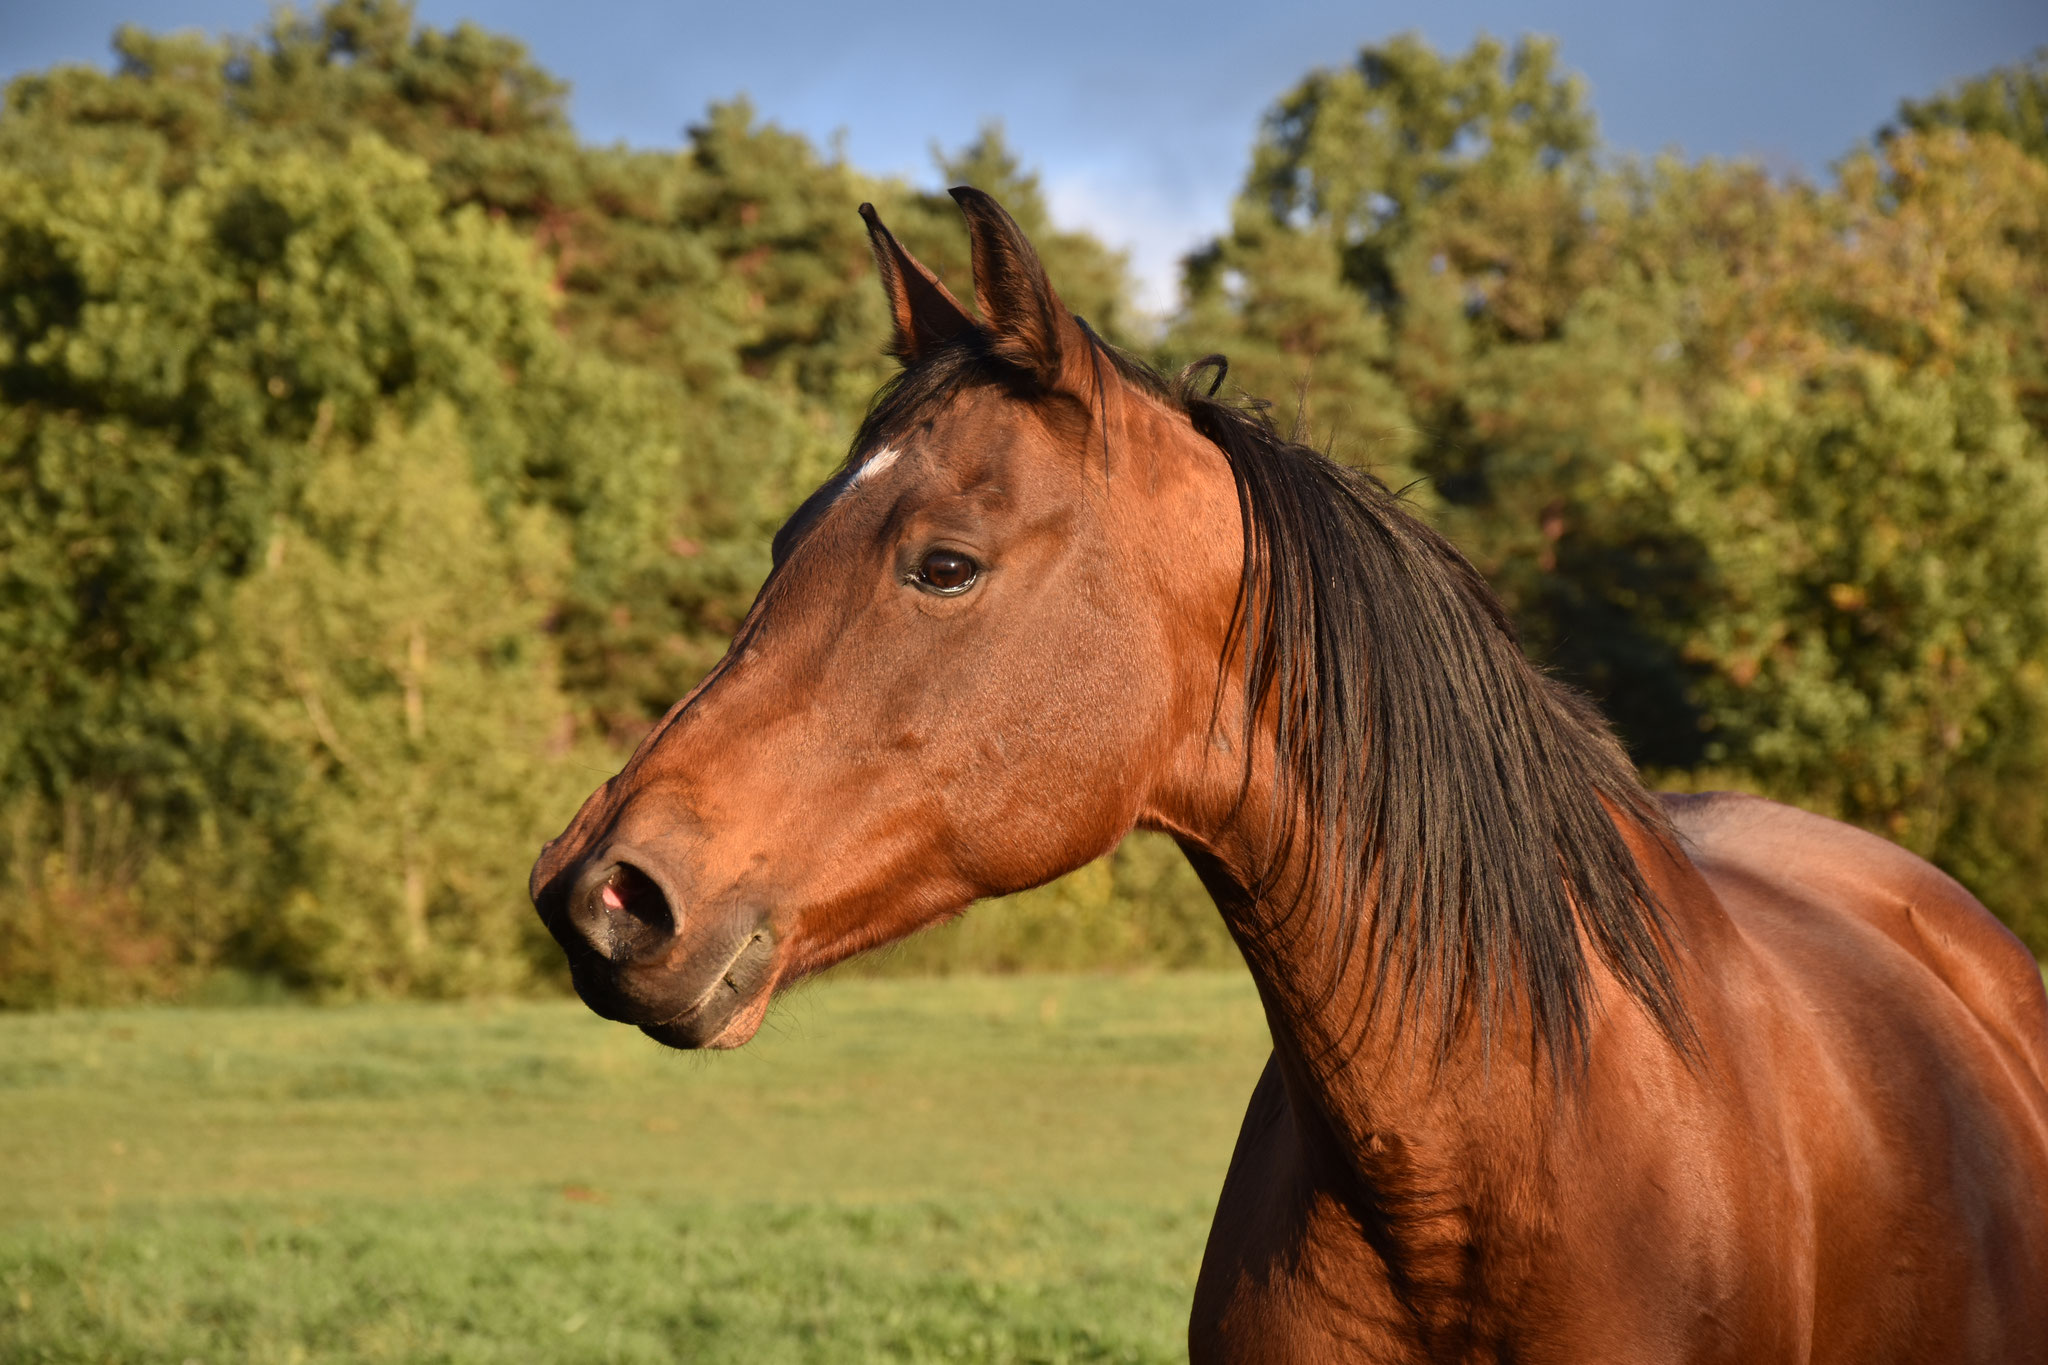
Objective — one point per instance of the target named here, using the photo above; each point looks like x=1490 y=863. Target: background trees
x=377 y=460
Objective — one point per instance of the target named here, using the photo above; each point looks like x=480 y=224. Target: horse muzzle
x=689 y=978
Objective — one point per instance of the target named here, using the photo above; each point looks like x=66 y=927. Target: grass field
x=960 y=1169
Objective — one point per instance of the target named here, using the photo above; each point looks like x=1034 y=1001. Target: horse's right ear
x=926 y=313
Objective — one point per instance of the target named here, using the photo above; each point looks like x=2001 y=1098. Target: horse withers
x=1561 y=1071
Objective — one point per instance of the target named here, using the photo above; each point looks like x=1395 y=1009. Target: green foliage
x=378 y=461
x=392 y=643
x=2011 y=103
x=372 y=455
x=188 y=370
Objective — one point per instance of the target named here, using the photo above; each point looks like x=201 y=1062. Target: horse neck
x=1375 y=1083
x=1384 y=1106
x=1379 y=1082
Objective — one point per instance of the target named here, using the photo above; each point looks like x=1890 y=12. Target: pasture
x=966 y=1168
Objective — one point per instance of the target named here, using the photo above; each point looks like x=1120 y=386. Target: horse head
x=987 y=649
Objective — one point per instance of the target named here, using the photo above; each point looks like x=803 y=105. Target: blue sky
x=1140 y=116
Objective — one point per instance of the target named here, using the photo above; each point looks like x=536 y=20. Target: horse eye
x=947 y=572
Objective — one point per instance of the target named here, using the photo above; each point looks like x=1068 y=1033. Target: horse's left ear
x=926 y=313
x=1028 y=325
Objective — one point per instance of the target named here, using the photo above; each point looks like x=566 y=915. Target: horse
x=1561 y=1070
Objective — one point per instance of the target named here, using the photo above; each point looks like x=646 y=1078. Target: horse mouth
x=719 y=1031
x=730 y=1009
x=715 y=1000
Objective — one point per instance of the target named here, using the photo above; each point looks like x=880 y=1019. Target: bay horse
x=1561 y=1070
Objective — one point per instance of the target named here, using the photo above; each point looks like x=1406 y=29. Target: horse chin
x=736 y=1028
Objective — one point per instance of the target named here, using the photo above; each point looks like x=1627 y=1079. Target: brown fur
x=1853 y=1167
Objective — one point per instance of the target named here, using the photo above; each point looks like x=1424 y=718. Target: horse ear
x=926 y=313
x=1029 y=325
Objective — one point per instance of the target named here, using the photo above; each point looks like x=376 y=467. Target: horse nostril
x=621 y=912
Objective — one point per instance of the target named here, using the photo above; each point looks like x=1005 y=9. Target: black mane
x=1464 y=798
x=1458 y=804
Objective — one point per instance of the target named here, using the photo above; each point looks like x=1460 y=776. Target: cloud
x=1156 y=218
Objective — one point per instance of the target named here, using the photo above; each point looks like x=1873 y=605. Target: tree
x=181 y=367
x=2011 y=102
x=369 y=448
x=390 y=647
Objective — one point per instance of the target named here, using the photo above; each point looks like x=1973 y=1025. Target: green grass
x=960 y=1169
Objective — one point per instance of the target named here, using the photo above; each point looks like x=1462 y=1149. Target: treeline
x=377 y=461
